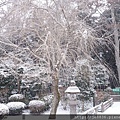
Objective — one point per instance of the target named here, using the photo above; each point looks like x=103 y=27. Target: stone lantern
x=72 y=92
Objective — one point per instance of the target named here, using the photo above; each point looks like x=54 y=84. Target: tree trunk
x=117 y=55
x=18 y=83
x=83 y=108
x=56 y=98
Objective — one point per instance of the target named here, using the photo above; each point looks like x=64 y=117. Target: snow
x=83 y=61
x=60 y=110
x=16 y=96
x=114 y=109
x=16 y=105
x=72 y=89
x=36 y=103
x=4 y=109
x=48 y=99
x=26 y=112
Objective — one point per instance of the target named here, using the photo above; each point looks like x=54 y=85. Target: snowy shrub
x=4 y=109
x=16 y=97
x=36 y=106
x=48 y=99
x=16 y=107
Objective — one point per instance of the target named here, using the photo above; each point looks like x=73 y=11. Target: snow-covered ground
x=61 y=111
x=114 y=109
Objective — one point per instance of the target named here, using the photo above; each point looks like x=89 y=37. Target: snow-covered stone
x=16 y=105
x=4 y=109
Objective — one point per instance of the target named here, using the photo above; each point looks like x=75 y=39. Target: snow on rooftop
x=72 y=89
x=4 y=109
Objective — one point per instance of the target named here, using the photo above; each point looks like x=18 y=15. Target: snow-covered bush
x=16 y=107
x=48 y=99
x=16 y=97
x=36 y=106
x=4 y=109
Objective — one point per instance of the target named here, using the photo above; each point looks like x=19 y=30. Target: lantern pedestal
x=73 y=107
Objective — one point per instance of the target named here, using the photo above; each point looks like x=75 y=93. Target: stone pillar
x=72 y=105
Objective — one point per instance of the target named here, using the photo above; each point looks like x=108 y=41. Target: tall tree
x=49 y=32
x=115 y=14
x=105 y=22
x=108 y=32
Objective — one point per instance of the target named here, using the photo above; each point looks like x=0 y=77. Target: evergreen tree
x=106 y=26
x=83 y=78
x=101 y=75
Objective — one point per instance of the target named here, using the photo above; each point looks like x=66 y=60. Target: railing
x=116 y=98
x=99 y=108
x=93 y=111
x=106 y=105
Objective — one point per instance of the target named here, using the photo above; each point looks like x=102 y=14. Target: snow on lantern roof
x=72 y=90
x=72 y=82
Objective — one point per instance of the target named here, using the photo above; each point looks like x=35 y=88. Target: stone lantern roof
x=72 y=89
